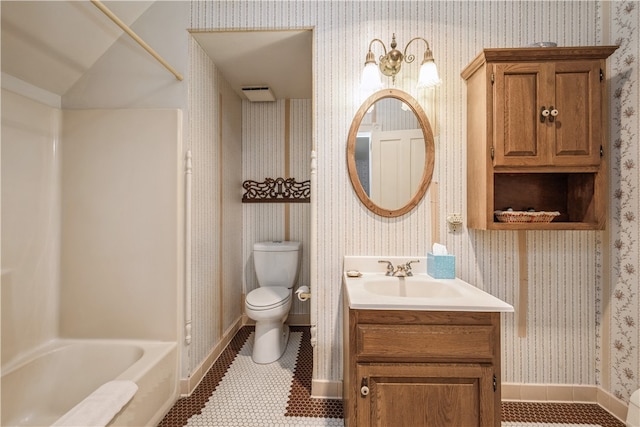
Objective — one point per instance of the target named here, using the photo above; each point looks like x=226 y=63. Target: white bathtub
x=43 y=385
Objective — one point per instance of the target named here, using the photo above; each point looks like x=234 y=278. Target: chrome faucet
x=389 y=267
x=402 y=270
x=407 y=267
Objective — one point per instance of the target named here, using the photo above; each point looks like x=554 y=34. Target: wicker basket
x=517 y=217
x=543 y=216
x=513 y=216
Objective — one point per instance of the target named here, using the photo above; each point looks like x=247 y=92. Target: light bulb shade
x=428 y=75
x=370 y=81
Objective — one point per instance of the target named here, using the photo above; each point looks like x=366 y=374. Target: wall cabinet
x=421 y=368
x=536 y=135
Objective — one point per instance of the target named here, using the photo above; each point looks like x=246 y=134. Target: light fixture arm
x=370 y=56
x=428 y=55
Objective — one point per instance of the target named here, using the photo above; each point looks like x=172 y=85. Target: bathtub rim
x=152 y=351
x=154 y=354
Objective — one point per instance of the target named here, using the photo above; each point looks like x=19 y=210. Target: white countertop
x=376 y=291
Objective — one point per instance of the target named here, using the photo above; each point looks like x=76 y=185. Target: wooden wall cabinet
x=536 y=135
x=421 y=368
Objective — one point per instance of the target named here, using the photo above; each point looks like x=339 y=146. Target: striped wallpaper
x=215 y=129
x=575 y=320
x=263 y=156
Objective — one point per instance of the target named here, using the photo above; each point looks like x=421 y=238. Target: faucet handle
x=389 y=266
x=407 y=267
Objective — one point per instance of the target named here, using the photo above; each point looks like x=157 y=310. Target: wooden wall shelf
x=278 y=190
x=537 y=133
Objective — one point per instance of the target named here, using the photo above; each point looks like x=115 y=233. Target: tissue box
x=441 y=266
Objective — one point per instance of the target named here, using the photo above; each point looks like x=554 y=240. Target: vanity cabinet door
x=426 y=395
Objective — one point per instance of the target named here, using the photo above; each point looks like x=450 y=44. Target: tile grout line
x=300 y=403
x=300 y=407
x=189 y=406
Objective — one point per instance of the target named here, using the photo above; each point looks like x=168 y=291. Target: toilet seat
x=266 y=298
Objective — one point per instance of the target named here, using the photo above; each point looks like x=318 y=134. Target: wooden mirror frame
x=423 y=121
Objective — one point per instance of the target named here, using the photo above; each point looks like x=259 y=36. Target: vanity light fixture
x=391 y=62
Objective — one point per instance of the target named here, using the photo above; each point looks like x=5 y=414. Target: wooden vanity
x=421 y=368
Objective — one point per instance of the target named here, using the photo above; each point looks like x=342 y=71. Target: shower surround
x=92 y=229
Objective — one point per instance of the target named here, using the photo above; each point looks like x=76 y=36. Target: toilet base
x=270 y=342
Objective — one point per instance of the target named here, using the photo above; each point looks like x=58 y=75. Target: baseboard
x=325 y=389
x=612 y=404
x=188 y=385
x=299 y=320
x=292 y=320
x=565 y=393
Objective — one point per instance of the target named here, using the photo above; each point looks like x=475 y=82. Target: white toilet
x=633 y=415
x=277 y=266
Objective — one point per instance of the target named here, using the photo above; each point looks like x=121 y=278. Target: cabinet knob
x=544 y=113
x=552 y=114
x=364 y=390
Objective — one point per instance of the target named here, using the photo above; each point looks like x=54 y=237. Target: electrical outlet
x=454 y=219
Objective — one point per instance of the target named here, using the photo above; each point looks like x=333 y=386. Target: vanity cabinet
x=536 y=135
x=421 y=368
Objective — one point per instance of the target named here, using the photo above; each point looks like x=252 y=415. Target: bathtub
x=46 y=383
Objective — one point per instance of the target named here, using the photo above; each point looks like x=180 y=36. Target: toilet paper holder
x=303 y=293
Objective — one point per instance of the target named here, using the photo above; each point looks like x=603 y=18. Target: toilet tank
x=277 y=263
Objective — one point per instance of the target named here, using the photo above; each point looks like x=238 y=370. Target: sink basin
x=371 y=289
x=411 y=287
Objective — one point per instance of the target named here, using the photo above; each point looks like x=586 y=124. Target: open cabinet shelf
x=573 y=194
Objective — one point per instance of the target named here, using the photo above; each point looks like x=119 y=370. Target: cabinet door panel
x=427 y=396
x=519 y=91
x=577 y=127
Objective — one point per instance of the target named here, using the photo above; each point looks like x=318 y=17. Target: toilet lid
x=268 y=297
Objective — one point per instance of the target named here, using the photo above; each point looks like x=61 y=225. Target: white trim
x=325 y=389
x=188 y=385
x=188 y=169
x=612 y=404
x=30 y=91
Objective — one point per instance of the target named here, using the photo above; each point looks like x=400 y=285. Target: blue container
x=441 y=266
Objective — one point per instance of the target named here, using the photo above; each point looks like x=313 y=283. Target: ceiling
x=280 y=60
x=51 y=44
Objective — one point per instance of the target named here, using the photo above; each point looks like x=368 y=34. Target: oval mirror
x=390 y=153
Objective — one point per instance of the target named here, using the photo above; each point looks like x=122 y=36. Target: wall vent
x=258 y=94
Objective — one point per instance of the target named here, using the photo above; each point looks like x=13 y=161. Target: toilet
x=633 y=414
x=277 y=265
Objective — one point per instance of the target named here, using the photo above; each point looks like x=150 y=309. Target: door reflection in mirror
x=390 y=153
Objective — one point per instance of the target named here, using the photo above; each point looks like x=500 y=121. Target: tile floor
x=288 y=402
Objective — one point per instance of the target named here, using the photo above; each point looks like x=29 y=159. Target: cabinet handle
x=552 y=114
x=544 y=113
x=364 y=387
